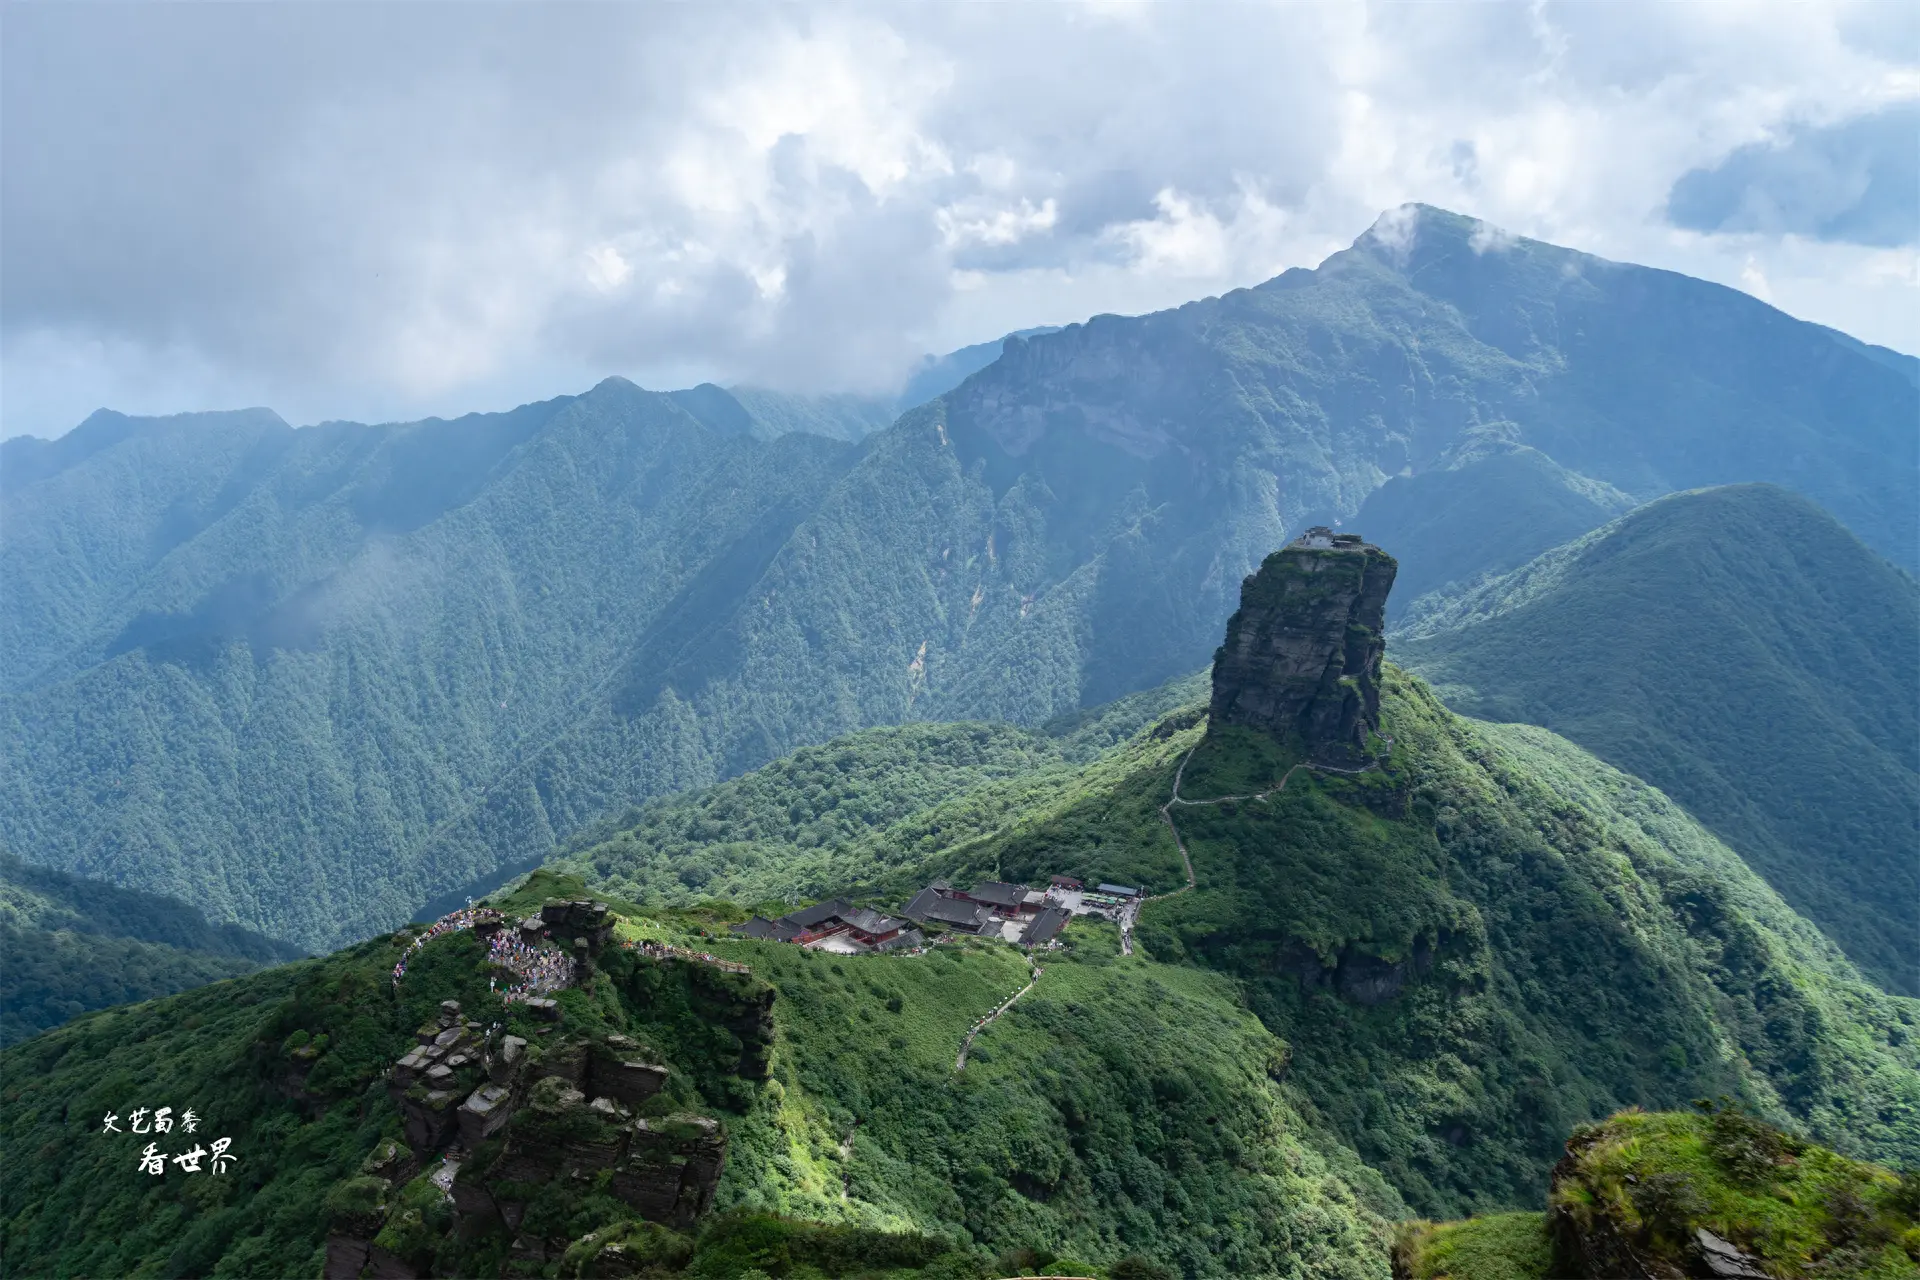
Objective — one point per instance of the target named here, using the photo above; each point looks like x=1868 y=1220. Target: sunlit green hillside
x=1739 y=649
x=1493 y=941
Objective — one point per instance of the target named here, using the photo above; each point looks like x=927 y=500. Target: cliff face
x=1302 y=656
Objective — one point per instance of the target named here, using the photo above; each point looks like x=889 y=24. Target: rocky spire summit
x=1302 y=656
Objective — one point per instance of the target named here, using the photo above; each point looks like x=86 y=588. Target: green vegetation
x=1120 y=1107
x=1495 y=939
x=69 y=945
x=1636 y=1191
x=1498 y=1246
x=871 y=812
x=1646 y=1183
x=309 y=680
x=1740 y=650
x=1493 y=509
x=767 y=415
x=1125 y=1110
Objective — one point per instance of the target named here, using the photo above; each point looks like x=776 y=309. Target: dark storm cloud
x=1856 y=181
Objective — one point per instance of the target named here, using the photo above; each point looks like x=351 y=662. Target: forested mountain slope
x=68 y=946
x=1494 y=940
x=245 y=662
x=1129 y=1110
x=1743 y=652
x=1487 y=511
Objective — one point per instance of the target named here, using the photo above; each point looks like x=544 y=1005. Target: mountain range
x=71 y=946
x=312 y=678
x=1356 y=992
x=1742 y=651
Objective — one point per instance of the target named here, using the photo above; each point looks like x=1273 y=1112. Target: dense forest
x=69 y=945
x=243 y=660
x=1742 y=651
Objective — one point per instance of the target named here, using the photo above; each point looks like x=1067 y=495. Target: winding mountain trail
x=960 y=1063
x=1132 y=913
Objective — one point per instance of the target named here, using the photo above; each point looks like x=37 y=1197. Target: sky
x=386 y=212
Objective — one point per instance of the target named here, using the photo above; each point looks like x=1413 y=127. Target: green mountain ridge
x=1739 y=649
x=1560 y=935
x=68 y=946
x=390 y=661
x=1488 y=512
x=1391 y=992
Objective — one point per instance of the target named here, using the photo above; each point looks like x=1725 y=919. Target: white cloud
x=1487 y=238
x=427 y=209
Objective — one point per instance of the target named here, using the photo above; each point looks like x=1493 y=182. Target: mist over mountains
x=311 y=678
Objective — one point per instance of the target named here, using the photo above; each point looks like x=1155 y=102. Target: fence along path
x=960 y=1063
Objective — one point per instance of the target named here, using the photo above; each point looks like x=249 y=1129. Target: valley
x=1520 y=890
x=392 y=660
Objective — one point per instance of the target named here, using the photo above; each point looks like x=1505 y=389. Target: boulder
x=631 y=1082
x=410 y=1067
x=484 y=1112
x=382 y=1265
x=345 y=1257
x=506 y=1064
x=430 y=1120
x=472 y=1200
x=1725 y=1260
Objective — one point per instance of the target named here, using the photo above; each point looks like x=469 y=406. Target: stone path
x=960 y=1063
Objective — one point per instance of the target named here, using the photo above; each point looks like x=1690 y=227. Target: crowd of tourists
x=664 y=951
x=453 y=923
x=539 y=969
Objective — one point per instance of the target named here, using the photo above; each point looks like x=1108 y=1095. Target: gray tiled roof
x=998 y=894
x=811 y=918
x=867 y=921
x=1044 y=927
x=930 y=905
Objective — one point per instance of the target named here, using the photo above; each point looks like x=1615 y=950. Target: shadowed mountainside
x=269 y=669
x=1740 y=650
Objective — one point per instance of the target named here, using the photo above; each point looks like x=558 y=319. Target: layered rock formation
x=490 y=1119
x=1302 y=655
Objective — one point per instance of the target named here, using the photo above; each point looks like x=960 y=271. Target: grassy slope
x=1573 y=942
x=869 y=812
x=1647 y=1181
x=1121 y=1106
x=1745 y=653
x=1124 y=1107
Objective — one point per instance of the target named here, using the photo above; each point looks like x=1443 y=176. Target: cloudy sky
x=391 y=211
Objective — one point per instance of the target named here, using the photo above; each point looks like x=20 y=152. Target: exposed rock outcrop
x=1302 y=655
x=672 y=1168
x=577 y=919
